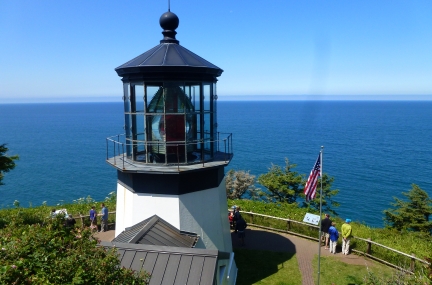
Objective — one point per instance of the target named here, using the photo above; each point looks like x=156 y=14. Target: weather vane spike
x=169 y=6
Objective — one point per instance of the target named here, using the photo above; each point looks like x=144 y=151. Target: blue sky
x=67 y=50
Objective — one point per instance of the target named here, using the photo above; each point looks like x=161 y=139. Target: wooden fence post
x=412 y=267
x=252 y=217
x=288 y=225
x=82 y=220
x=369 y=246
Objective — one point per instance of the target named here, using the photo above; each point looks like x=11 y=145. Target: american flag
x=311 y=184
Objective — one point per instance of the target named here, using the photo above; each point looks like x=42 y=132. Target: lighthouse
x=170 y=160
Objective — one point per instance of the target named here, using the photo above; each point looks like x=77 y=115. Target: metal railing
x=118 y=147
x=307 y=229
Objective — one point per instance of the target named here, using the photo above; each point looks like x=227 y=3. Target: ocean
x=375 y=150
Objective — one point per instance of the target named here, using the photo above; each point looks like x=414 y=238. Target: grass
x=281 y=268
x=266 y=267
x=334 y=271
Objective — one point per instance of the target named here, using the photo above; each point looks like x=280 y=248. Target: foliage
x=78 y=207
x=284 y=185
x=49 y=253
x=280 y=210
x=334 y=271
x=327 y=198
x=412 y=214
x=416 y=243
x=397 y=278
x=428 y=268
x=238 y=183
x=7 y=163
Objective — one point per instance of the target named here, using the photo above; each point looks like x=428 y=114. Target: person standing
x=325 y=225
x=236 y=217
x=70 y=222
x=240 y=229
x=93 y=218
x=53 y=213
x=346 y=236
x=334 y=235
x=231 y=219
x=104 y=218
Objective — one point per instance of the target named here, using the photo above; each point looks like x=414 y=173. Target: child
x=93 y=219
x=231 y=219
x=334 y=235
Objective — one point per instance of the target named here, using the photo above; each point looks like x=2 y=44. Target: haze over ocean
x=374 y=149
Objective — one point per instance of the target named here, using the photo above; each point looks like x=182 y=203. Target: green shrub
x=280 y=210
x=34 y=215
x=50 y=253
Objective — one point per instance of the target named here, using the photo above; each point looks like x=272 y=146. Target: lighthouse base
x=202 y=212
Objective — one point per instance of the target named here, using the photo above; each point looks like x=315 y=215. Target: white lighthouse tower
x=170 y=161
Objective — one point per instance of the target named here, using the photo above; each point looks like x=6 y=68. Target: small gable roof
x=156 y=231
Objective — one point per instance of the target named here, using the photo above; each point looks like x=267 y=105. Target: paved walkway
x=260 y=239
x=105 y=236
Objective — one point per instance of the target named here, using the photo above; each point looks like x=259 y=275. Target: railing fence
x=290 y=224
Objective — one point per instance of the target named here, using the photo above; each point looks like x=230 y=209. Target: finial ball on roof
x=169 y=21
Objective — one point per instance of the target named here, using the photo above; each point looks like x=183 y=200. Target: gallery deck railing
x=309 y=231
x=116 y=150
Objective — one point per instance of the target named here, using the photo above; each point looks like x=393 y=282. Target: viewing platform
x=175 y=162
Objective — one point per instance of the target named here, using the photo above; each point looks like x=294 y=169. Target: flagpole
x=320 y=214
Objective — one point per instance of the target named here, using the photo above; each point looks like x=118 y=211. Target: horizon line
x=106 y=99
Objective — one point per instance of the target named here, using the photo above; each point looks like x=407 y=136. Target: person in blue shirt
x=334 y=235
x=104 y=218
x=93 y=218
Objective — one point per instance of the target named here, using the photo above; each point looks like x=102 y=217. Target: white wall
x=133 y=208
x=205 y=213
x=202 y=212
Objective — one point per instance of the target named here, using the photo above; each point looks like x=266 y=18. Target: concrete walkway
x=260 y=239
x=105 y=236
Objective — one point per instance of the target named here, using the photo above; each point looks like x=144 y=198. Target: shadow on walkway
x=264 y=240
x=264 y=253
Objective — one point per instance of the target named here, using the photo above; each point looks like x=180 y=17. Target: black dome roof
x=168 y=57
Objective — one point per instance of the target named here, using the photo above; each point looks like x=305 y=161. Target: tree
x=6 y=162
x=327 y=198
x=284 y=185
x=412 y=214
x=239 y=183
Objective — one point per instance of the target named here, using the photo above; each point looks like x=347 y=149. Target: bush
x=54 y=254
x=33 y=215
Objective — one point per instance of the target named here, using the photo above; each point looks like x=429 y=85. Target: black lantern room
x=169 y=96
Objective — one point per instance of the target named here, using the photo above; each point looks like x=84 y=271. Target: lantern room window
x=169 y=122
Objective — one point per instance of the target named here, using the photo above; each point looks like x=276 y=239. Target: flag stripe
x=311 y=184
